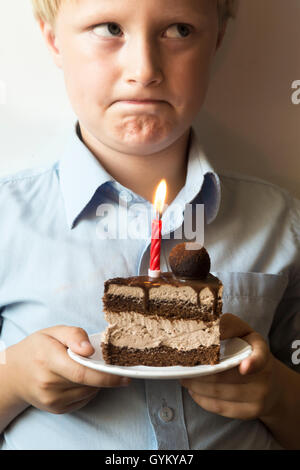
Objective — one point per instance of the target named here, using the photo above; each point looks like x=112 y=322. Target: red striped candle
x=159 y=203
x=155 y=245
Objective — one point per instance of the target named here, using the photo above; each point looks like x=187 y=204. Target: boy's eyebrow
x=109 y=10
x=95 y=19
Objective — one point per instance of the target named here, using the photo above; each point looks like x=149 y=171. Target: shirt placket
x=165 y=411
x=164 y=397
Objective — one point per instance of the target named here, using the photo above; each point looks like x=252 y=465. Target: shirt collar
x=202 y=181
x=81 y=175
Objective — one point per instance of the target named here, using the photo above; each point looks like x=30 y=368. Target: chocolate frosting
x=146 y=283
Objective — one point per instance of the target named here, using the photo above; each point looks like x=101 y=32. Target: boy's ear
x=51 y=42
x=221 y=35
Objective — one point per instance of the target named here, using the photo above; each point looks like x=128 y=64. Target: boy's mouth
x=138 y=101
x=141 y=101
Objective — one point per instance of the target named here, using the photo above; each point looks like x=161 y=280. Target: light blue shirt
x=56 y=254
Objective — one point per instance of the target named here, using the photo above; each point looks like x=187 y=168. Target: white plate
x=233 y=351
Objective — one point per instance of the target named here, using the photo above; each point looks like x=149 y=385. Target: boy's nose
x=142 y=64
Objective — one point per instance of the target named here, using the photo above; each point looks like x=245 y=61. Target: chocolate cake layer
x=167 y=296
x=164 y=308
x=161 y=356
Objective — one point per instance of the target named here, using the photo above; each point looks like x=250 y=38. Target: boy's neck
x=142 y=174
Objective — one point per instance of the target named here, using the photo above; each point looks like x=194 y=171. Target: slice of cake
x=172 y=320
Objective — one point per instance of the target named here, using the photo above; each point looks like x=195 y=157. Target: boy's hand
x=248 y=391
x=42 y=374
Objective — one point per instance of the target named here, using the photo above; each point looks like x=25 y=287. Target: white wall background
x=249 y=122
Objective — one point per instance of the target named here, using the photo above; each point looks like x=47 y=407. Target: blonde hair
x=47 y=10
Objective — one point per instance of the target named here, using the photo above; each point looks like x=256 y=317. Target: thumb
x=72 y=337
x=259 y=357
x=232 y=326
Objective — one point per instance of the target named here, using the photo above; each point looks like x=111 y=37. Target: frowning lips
x=139 y=100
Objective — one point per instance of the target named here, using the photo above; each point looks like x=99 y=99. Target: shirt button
x=166 y=414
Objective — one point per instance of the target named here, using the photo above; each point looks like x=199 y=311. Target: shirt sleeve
x=285 y=331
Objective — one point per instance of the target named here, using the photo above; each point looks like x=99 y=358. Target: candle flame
x=160 y=197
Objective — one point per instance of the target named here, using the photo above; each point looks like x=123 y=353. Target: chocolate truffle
x=189 y=263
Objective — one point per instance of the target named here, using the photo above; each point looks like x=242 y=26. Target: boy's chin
x=147 y=139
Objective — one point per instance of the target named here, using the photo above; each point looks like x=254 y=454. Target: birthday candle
x=156 y=229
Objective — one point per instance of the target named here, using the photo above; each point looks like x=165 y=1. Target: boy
x=136 y=73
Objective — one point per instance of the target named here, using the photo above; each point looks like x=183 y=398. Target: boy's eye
x=107 y=30
x=175 y=31
x=179 y=30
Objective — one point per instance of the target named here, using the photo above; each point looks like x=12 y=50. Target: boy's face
x=116 y=54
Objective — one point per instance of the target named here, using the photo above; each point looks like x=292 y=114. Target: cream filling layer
x=134 y=330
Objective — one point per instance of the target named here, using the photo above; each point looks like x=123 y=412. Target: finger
x=230 y=392
x=69 y=397
x=72 y=337
x=259 y=356
x=62 y=365
x=232 y=326
x=231 y=376
x=76 y=405
x=225 y=408
x=75 y=395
